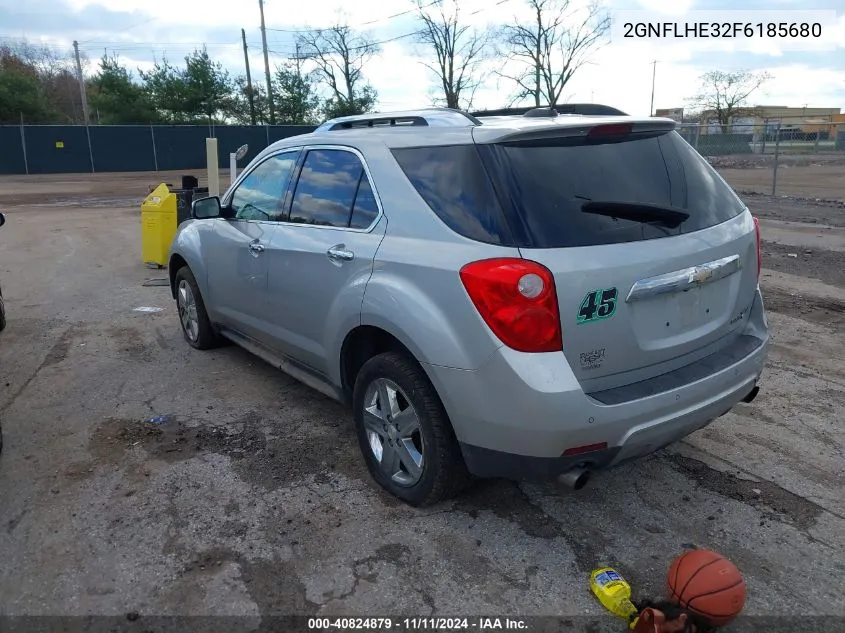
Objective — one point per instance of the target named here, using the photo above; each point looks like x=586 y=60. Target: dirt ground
x=810 y=176
x=252 y=500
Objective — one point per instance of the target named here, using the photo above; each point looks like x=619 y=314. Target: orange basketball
x=707 y=585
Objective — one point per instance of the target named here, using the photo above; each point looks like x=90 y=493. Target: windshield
x=546 y=187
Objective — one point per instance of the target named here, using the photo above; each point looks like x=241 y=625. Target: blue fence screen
x=61 y=149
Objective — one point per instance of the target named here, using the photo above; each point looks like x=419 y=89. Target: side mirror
x=206 y=208
x=2 y=219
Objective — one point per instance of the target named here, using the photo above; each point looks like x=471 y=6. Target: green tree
x=21 y=91
x=297 y=101
x=364 y=101
x=116 y=99
x=201 y=91
x=207 y=87
x=40 y=83
x=239 y=108
x=56 y=72
x=165 y=89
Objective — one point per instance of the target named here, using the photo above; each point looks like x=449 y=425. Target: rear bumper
x=516 y=415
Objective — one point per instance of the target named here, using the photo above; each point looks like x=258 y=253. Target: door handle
x=256 y=248
x=339 y=253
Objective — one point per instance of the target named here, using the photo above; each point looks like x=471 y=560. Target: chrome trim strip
x=684 y=279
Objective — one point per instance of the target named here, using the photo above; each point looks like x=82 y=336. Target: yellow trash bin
x=158 y=225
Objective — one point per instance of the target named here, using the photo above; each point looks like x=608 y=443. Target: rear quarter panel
x=415 y=292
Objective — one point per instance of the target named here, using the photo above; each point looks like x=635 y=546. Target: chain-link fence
x=800 y=156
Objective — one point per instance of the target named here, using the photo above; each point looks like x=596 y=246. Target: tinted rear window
x=548 y=186
x=533 y=195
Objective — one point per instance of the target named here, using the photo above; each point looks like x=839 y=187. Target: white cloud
x=399 y=77
x=666 y=7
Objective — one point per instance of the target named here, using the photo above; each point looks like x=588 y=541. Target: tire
x=440 y=473
x=200 y=334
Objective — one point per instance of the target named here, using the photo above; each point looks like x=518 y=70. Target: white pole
x=211 y=158
x=233 y=168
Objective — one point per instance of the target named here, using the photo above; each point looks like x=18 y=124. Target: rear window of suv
x=548 y=190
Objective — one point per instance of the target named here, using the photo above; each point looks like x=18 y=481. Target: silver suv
x=532 y=296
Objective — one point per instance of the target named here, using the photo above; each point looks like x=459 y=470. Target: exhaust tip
x=751 y=394
x=576 y=478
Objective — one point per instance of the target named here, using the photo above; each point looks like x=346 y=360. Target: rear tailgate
x=628 y=312
x=653 y=255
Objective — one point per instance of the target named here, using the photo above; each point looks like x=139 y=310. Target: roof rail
x=432 y=117
x=379 y=121
x=562 y=108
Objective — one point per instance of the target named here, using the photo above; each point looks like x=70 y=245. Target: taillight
x=518 y=302
x=759 y=259
x=611 y=129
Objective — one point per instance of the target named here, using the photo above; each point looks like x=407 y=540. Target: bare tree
x=458 y=49
x=340 y=55
x=725 y=94
x=552 y=47
x=49 y=62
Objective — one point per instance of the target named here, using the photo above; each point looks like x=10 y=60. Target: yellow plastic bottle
x=614 y=592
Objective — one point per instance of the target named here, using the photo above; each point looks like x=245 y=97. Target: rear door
x=321 y=257
x=654 y=256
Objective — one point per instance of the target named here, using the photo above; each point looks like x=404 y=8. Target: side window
x=365 y=209
x=454 y=183
x=259 y=195
x=326 y=188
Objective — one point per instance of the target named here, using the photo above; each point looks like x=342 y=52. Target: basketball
x=707 y=585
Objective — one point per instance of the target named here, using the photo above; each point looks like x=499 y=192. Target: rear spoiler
x=614 y=128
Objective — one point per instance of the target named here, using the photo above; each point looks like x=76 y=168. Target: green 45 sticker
x=598 y=305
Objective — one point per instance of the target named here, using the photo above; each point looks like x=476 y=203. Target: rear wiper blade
x=637 y=212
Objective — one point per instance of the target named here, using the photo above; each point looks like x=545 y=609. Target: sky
x=619 y=71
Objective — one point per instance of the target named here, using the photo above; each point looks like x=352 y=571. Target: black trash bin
x=184 y=199
x=190 y=182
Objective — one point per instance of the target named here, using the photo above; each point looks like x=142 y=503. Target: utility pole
x=537 y=75
x=653 y=75
x=81 y=82
x=267 y=65
x=248 y=81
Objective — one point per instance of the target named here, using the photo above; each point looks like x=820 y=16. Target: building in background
x=795 y=123
x=676 y=114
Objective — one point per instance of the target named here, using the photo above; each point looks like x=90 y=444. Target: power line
x=362 y=24
x=139 y=43
x=389 y=17
x=156 y=47
x=134 y=45
x=134 y=26
x=362 y=46
x=388 y=40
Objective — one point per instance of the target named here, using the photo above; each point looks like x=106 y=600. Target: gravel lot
x=252 y=499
